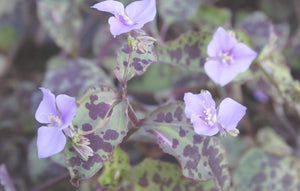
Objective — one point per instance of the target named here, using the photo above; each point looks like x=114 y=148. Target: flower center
x=209 y=117
x=226 y=58
x=54 y=120
x=125 y=19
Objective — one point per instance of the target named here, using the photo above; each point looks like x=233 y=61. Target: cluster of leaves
x=129 y=100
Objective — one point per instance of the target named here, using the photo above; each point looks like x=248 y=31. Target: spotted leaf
x=201 y=157
x=259 y=28
x=189 y=51
x=138 y=62
x=275 y=77
x=63 y=22
x=116 y=169
x=210 y=17
x=73 y=76
x=156 y=175
x=97 y=109
x=259 y=170
x=183 y=11
x=293 y=51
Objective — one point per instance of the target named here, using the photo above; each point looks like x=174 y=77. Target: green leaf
x=8 y=37
x=63 y=21
x=106 y=48
x=259 y=170
x=41 y=170
x=94 y=108
x=209 y=17
x=201 y=157
x=273 y=143
x=116 y=169
x=293 y=52
x=158 y=77
x=73 y=76
x=152 y=175
x=189 y=51
x=139 y=62
x=259 y=28
x=277 y=10
x=235 y=147
x=175 y=10
x=276 y=79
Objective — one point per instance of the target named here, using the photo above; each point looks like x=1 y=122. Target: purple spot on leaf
x=91 y=161
x=74 y=161
x=175 y=54
x=98 y=110
x=143 y=180
x=160 y=117
x=156 y=178
x=181 y=132
x=87 y=127
x=193 y=51
x=111 y=135
x=98 y=143
x=175 y=143
x=178 y=113
x=169 y=117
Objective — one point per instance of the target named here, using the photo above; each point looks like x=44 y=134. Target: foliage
x=131 y=131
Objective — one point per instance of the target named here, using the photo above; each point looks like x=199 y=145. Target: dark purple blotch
x=137 y=65
x=74 y=161
x=197 y=139
x=98 y=110
x=111 y=134
x=168 y=117
x=178 y=113
x=175 y=54
x=160 y=117
x=98 y=143
x=175 y=143
x=143 y=180
x=91 y=161
x=193 y=51
x=181 y=132
x=87 y=127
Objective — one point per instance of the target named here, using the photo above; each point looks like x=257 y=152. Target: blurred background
x=42 y=43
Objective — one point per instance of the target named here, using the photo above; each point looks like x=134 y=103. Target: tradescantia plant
x=100 y=108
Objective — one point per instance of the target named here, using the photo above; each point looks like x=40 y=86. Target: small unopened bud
x=117 y=175
x=234 y=132
x=81 y=145
x=231 y=33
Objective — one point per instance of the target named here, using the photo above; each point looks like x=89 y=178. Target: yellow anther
x=226 y=57
x=125 y=17
x=207 y=112
x=54 y=118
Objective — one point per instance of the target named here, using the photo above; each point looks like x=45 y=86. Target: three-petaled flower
x=207 y=120
x=134 y=16
x=227 y=57
x=58 y=114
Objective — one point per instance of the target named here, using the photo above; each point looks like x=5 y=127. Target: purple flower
x=57 y=113
x=207 y=120
x=227 y=57
x=134 y=16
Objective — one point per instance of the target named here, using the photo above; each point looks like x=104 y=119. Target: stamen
x=54 y=120
x=125 y=19
x=226 y=58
